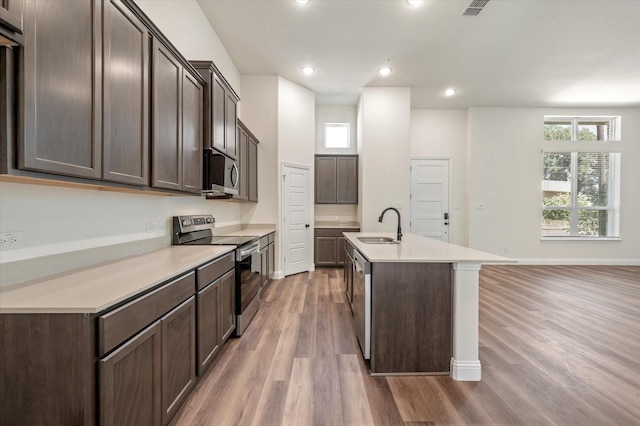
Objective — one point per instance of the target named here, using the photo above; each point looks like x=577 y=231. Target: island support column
x=465 y=364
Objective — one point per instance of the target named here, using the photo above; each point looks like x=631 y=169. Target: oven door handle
x=253 y=248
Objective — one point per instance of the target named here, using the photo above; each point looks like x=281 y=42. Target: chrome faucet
x=399 y=237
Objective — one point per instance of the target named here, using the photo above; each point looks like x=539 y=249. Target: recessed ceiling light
x=414 y=2
x=308 y=70
x=384 y=71
x=302 y=1
x=450 y=91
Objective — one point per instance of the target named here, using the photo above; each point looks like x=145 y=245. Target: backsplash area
x=336 y=213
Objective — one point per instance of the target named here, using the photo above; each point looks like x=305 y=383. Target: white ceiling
x=514 y=53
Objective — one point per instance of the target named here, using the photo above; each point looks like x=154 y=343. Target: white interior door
x=430 y=198
x=297 y=248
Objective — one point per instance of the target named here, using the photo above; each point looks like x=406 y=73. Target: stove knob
x=186 y=222
x=209 y=220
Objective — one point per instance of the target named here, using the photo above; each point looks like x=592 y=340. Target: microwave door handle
x=234 y=176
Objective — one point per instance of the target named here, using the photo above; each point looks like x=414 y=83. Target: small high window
x=581 y=128
x=337 y=135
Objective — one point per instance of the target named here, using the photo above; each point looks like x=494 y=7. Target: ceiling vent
x=475 y=7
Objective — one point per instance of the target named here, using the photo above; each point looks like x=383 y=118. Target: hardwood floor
x=558 y=345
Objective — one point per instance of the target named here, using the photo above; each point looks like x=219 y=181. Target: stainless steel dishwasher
x=362 y=301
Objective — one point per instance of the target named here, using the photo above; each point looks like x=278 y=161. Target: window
x=581 y=128
x=581 y=194
x=336 y=135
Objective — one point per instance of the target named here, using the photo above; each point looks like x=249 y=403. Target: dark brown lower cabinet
x=216 y=318
x=209 y=337
x=178 y=356
x=411 y=317
x=329 y=246
x=130 y=391
x=228 y=303
x=144 y=381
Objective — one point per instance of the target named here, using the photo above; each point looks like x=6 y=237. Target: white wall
x=296 y=139
x=260 y=114
x=189 y=30
x=443 y=134
x=335 y=114
x=505 y=154
x=385 y=116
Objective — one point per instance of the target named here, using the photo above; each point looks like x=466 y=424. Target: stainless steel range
x=198 y=230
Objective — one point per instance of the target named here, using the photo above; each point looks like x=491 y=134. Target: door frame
x=310 y=198
x=449 y=159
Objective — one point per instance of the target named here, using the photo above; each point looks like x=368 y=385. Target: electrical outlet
x=506 y=249
x=11 y=240
x=152 y=227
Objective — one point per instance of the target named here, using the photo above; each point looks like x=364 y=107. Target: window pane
x=336 y=135
x=593 y=223
x=556 y=222
x=556 y=185
x=557 y=130
x=593 y=179
x=599 y=130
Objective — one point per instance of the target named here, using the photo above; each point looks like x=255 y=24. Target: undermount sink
x=378 y=240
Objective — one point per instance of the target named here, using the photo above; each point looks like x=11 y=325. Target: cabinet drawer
x=214 y=270
x=271 y=237
x=120 y=324
x=264 y=241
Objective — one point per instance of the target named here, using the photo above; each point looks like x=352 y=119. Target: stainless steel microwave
x=221 y=175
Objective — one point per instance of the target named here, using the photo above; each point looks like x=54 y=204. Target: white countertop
x=246 y=231
x=415 y=248
x=96 y=288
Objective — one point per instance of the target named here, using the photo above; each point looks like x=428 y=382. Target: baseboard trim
x=586 y=262
x=466 y=371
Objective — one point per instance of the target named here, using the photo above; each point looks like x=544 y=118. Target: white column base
x=465 y=371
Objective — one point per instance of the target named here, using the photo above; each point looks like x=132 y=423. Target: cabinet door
x=230 y=119
x=166 y=83
x=130 y=381
x=126 y=96
x=218 y=123
x=326 y=251
x=325 y=181
x=253 y=170
x=228 y=303
x=272 y=260
x=11 y=14
x=191 y=134
x=347 y=180
x=178 y=356
x=264 y=265
x=61 y=96
x=243 y=164
x=209 y=336
x=340 y=254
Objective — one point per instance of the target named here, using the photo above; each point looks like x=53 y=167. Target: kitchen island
x=417 y=312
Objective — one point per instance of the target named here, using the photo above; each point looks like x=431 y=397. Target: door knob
x=306 y=225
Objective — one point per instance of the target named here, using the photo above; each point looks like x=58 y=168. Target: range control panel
x=193 y=223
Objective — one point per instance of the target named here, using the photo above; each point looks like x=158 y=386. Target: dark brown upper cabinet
x=220 y=110
x=84 y=104
x=177 y=123
x=10 y=17
x=126 y=96
x=336 y=179
x=248 y=164
x=60 y=100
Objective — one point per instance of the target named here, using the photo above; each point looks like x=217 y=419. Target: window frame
x=337 y=125
x=613 y=197
x=575 y=121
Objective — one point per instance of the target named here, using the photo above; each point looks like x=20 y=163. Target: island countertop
x=416 y=248
x=96 y=288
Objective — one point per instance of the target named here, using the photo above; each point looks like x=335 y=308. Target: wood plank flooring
x=558 y=345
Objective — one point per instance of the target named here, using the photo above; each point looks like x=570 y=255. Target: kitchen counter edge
x=97 y=288
x=416 y=248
